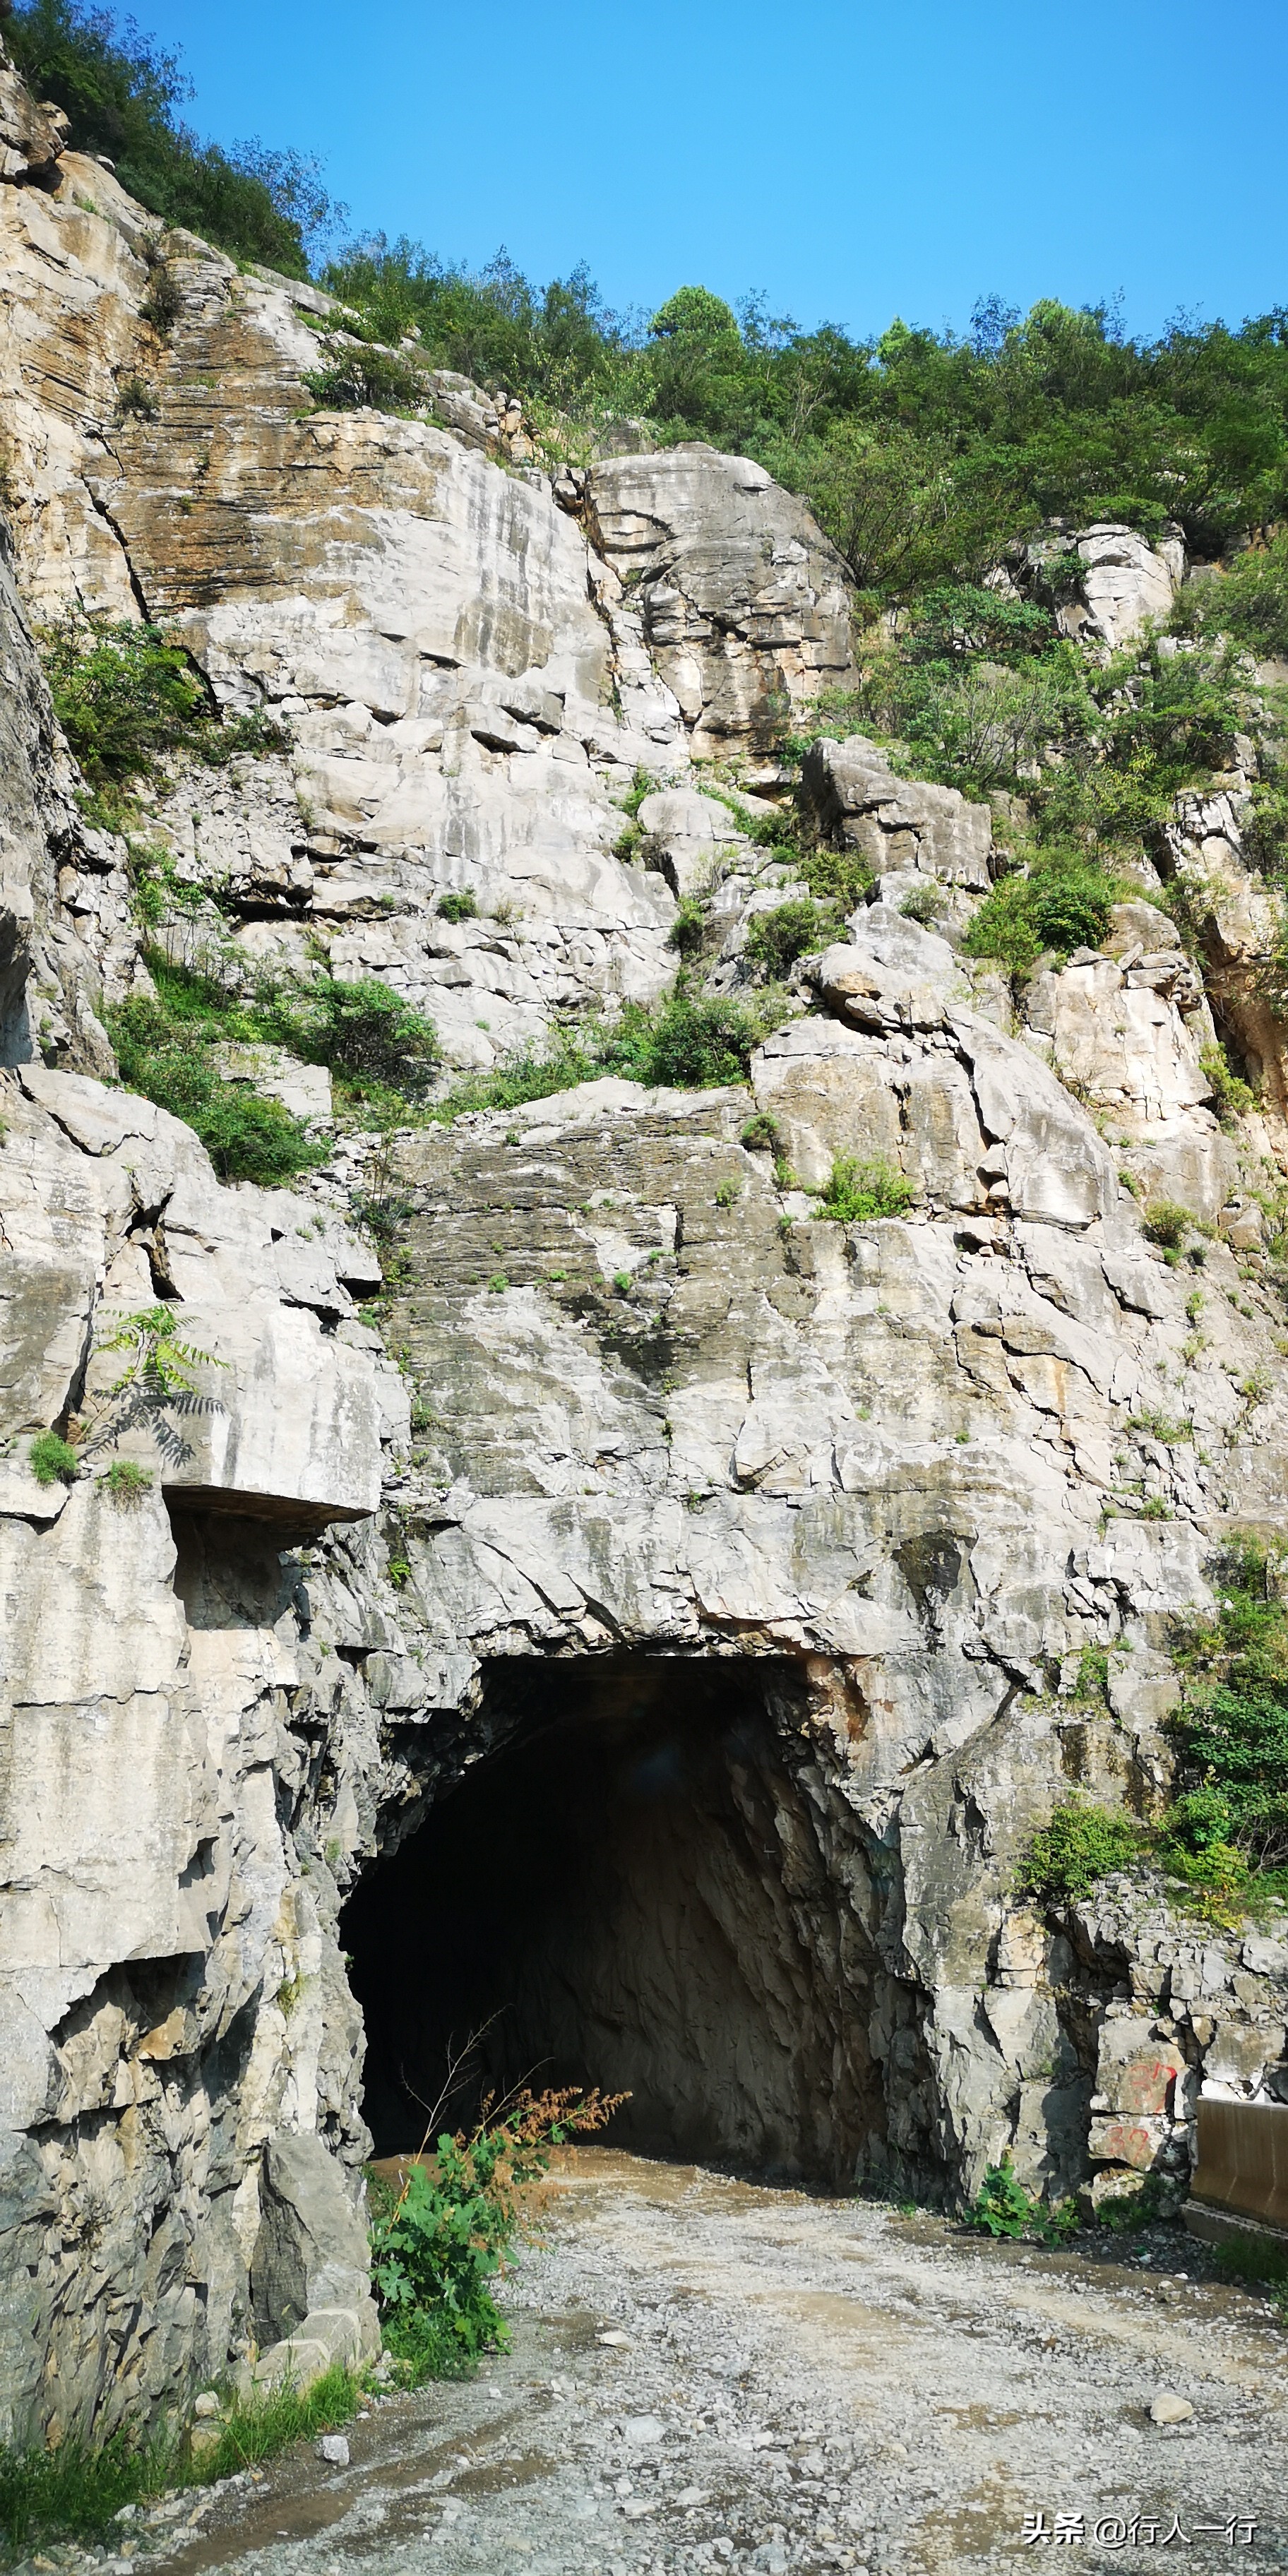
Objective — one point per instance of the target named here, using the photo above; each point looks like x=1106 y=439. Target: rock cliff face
x=727 y=1601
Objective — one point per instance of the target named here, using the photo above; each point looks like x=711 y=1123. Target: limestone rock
x=662 y=1435
x=744 y=603
x=1122 y=581
x=899 y=824
x=311 y=2251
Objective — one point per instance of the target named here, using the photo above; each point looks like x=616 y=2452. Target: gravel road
x=708 y=2375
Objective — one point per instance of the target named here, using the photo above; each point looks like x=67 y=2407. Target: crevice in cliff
x=634 y=1890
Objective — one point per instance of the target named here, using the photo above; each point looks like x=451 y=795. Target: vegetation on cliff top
x=123 y=92
x=922 y=453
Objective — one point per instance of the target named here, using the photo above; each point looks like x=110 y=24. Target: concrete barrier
x=1240 y=2182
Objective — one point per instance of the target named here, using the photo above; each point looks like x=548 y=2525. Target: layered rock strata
x=652 y=1415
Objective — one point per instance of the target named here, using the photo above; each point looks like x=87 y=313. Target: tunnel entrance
x=638 y=1889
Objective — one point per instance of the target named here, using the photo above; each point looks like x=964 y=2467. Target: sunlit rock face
x=723 y=1567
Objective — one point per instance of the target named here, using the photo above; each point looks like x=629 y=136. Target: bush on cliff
x=122 y=93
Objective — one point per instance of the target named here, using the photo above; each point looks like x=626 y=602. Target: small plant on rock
x=160 y=1365
x=52 y=1460
x=797 y=929
x=858 y=1192
x=1167 y=1224
x=438 y=2244
x=125 y=1484
x=1080 y=1845
x=1002 y=2207
x=458 y=906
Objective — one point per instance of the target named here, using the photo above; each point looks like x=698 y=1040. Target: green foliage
x=381 y=1050
x=1079 y=1846
x=1060 y=901
x=686 y=1040
x=796 y=929
x=52 y=1460
x=438 y=2244
x=761 y=1134
x=126 y=694
x=247 y=1139
x=122 y=94
x=75 y=2492
x=1231 y=1730
x=135 y=399
x=363 y=1030
x=461 y=906
x=121 y=694
x=1160 y=1426
x=1167 y=1223
x=357 y=377
x=691 y=928
x=923 y=904
x=641 y=786
x=1249 y=602
x=857 y=1192
x=1234 y=1097
x=160 y=1363
x=125 y=1484
x=1256 y=2259
x=1002 y=2207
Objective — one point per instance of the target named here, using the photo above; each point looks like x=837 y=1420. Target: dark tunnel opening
x=639 y=1889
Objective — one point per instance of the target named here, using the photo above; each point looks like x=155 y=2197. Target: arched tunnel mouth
x=639 y=1887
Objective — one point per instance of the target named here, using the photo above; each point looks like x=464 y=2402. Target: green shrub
x=125 y=1484
x=1061 y=901
x=136 y=399
x=1234 y=1097
x=52 y=1460
x=126 y=694
x=842 y=879
x=1078 y=1847
x=1231 y=1729
x=247 y=1139
x=460 y=906
x=691 y=927
x=121 y=694
x=163 y=303
x=923 y=904
x=797 y=929
x=1250 y=602
x=364 y=1031
x=1002 y=2207
x=1167 y=1223
x=687 y=1041
x=357 y=377
x=761 y=1134
x=438 y=2243
x=858 y=1191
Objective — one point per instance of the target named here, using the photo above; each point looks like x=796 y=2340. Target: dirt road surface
x=796 y=2384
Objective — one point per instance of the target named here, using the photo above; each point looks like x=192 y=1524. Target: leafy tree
x=122 y=93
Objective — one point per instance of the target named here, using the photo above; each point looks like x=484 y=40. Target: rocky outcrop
x=1107 y=581
x=759 y=1550
x=742 y=605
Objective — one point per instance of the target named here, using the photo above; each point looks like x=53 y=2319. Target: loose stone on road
x=710 y=2375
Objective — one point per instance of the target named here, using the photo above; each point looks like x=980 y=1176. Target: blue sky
x=853 y=160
